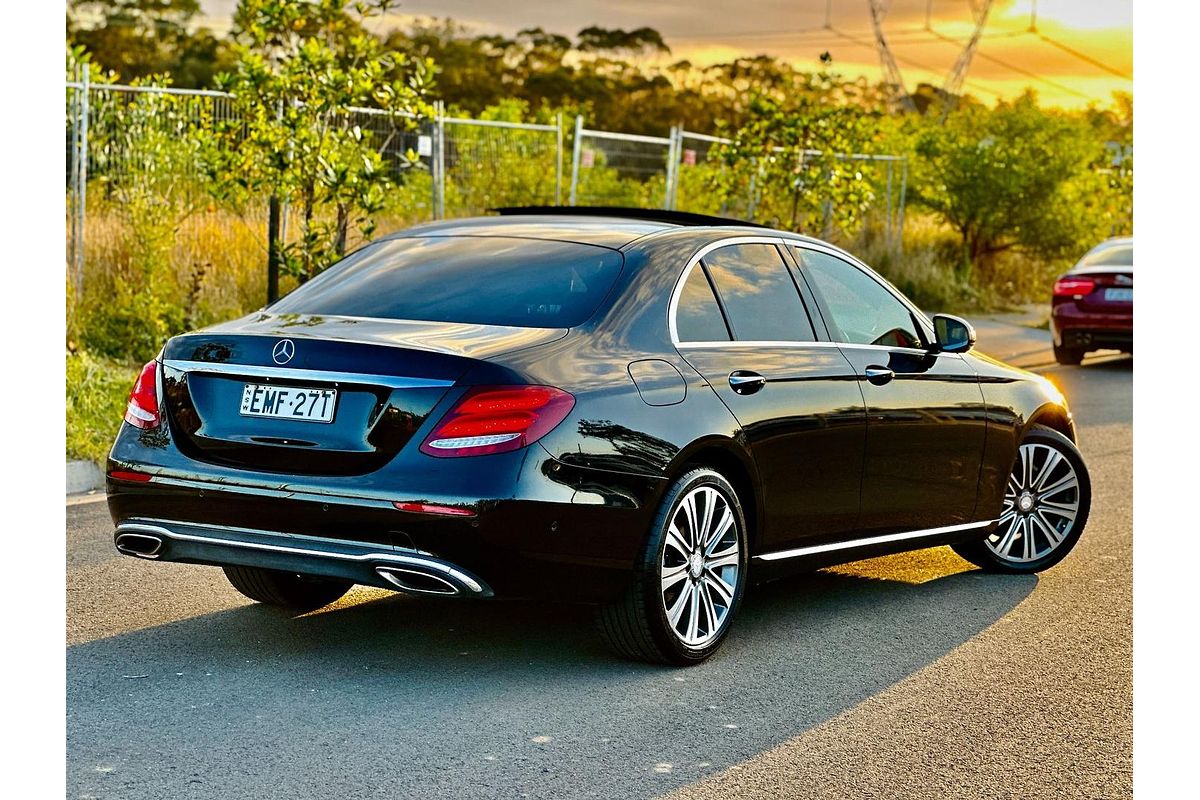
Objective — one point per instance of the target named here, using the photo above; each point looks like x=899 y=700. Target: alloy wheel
x=700 y=566
x=1041 y=505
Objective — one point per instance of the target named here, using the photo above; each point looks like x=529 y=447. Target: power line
x=1082 y=56
x=1015 y=68
x=911 y=63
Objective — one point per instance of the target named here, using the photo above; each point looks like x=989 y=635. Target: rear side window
x=759 y=295
x=478 y=280
x=698 y=318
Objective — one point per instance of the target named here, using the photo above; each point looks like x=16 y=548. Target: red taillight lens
x=142 y=411
x=1075 y=287
x=496 y=419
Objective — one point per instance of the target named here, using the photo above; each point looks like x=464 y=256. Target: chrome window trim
x=673 y=306
x=292 y=373
x=782 y=241
x=855 y=543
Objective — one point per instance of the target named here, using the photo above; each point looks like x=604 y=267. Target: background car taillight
x=142 y=411
x=1073 y=287
x=497 y=419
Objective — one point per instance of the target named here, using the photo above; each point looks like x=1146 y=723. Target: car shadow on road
x=394 y=680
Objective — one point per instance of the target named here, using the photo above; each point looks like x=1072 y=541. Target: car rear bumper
x=409 y=571
x=541 y=528
x=1073 y=327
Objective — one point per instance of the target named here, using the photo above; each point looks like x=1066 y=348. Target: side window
x=862 y=308
x=698 y=318
x=758 y=293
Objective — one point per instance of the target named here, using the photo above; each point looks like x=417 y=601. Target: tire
x=286 y=589
x=1068 y=356
x=639 y=625
x=1061 y=512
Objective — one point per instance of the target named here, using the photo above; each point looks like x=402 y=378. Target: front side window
x=760 y=298
x=484 y=280
x=862 y=308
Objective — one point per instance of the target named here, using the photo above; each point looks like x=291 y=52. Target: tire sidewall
x=669 y=644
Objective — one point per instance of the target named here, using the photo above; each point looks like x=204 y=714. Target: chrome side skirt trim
x=856 y=543
x=290 y=373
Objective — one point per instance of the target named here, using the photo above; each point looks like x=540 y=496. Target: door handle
x=744 y=381
x=879 y=375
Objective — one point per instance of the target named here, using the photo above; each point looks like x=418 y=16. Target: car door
x=740 y=318
x=925 y=411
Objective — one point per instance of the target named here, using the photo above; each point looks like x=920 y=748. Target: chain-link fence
x=620 y=169
x=140 y=143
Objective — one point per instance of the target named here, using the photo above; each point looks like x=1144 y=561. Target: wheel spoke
x=1052 y=535
x=719 y=532
x=693 y=628
x=729 y=559
x=1023 y=481
x=689 y=513
x=677 y=608
x=1064 y=510
x=672 y=576
x=675 y=540
x=710 y=609
x=706 y=517
x=1048 y=467
x=1005 y=544
x=1068 y=481
x=720 y=586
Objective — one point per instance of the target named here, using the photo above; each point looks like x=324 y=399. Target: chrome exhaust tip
x=141 y=545
x=419 y=581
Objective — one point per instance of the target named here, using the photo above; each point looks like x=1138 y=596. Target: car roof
x=614 y=232
x=608 y=232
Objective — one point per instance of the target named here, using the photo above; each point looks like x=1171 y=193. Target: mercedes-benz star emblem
x=283 y=351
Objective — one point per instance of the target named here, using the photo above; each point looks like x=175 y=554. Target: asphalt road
x=905 y=676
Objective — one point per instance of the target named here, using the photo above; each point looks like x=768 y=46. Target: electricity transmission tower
x=891 y=72
x=958 y=73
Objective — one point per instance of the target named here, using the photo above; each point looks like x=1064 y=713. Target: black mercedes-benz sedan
x=643 y=411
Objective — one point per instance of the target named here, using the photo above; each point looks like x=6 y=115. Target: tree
x=140 y=38
x=303 y=67
x=1008 y=178
x=774 y=152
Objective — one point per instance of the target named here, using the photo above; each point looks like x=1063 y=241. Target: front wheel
x=1045 y=507
x=689 y=580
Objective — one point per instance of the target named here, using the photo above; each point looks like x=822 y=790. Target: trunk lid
x=381 y=377
x=1113 y=290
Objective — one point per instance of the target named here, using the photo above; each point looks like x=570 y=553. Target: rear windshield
x=480 y=280
x=1121 y=256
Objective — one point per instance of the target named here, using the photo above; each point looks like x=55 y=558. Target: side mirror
x=952 y=334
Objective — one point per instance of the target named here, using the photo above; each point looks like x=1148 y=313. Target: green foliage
x=97 y=392
x=142 y=143
x=140 y=38
x=786 y=151
x=301 y=66
x=1014 y=177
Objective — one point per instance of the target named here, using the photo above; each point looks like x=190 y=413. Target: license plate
x=288 y=402
x=1119 y=295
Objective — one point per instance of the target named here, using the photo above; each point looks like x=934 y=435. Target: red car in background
x=1092 y=307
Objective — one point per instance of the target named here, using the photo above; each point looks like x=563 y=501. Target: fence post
x=903 y=189
x=672 y=167
x=887 y=235
x=73 y=178
x=558 y=159
x=438 y=162
x=81 y=188
x=575 y=154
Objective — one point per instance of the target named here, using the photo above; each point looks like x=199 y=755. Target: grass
x=97 y=390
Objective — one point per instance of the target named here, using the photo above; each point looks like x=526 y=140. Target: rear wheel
x=287 y=589
x=689 y=580
x=1068 y=355
x=1045 y=507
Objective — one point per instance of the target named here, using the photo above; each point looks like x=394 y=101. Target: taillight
x=1075 y=287
x=142 y=411
x=497 y=419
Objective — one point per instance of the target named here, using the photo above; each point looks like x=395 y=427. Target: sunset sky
x=1081 y=52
